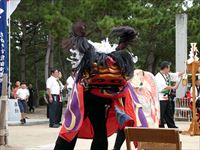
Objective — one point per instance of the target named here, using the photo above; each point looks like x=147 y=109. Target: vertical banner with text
x=3 y=41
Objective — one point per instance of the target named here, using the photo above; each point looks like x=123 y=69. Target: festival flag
x=3 y=41
x=7 y=7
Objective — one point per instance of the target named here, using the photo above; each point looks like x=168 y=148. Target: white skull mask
x=75 y=58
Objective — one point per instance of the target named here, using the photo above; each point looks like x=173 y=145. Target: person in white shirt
x=53 y=91
x=22 y=96
x=163 y=81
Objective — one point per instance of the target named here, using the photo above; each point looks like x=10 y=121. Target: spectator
x=198 y=111
x=53 y=91
x=163 y=80
x=22 y=95
x=31 y=98
x=15 y=88
x=197 y=100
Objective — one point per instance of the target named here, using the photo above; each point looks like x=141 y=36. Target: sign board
x=13 y=110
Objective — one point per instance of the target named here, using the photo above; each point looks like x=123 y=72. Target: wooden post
x=3 y=114
x=194 y=126
x=3 y=131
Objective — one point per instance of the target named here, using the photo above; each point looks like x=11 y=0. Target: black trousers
x=53 y=110
x=30 y=104
x=48 y=110
x=119 y=139
x=60 y=106
x=166 y=114
x=95 y=110
x=173 y=107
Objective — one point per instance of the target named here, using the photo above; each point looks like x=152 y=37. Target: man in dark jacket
x=31 y=98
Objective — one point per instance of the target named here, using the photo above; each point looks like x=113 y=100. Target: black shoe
x=22 y=121
x=31 y=110
x=54 y=126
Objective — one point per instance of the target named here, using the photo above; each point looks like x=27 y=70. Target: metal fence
x=182 y=109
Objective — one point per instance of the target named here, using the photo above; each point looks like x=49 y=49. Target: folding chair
x=153 y=138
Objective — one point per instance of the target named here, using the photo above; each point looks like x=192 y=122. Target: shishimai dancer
x=102 y=100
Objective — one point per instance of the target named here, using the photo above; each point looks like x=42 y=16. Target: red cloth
x=86 y=130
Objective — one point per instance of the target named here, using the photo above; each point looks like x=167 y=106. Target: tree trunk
x=151 y=61
x=49 y=46
x=23 y=61
x=62 y=62
x=36 y=87
x=50 y=67
x=51 y=58
x=23 y=57
x=36 y=78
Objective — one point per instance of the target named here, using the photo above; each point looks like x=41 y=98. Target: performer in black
x=101 y=92
x=31 y=99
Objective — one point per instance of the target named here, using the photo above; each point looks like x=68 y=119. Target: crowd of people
x=25 y=96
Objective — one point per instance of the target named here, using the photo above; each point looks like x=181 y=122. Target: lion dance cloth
x=145 y=88
x=103 y=70
x=119 y=115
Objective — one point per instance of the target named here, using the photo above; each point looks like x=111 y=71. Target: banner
x=3 y=41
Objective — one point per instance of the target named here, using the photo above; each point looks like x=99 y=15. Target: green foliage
x=41 y=97
x=154 y=21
